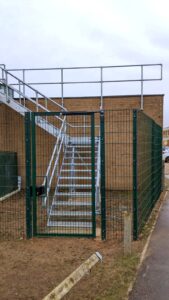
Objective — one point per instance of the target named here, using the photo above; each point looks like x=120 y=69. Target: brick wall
x=12 y=134
x=153 y=104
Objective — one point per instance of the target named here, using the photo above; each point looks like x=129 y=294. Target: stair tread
x=72 y=203
x=76 y=194
x=70 y=224
x=75 y=158
x=73 y=177
x=73 y=185
x=81 y=146
x=76 y=170
x=71 y=213
x=77 y=152
x=77 y=164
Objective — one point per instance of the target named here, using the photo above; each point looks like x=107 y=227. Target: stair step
x=71 y=213
x=80 y=146
x=81 y=194
x=84 y=157
x=76 y=170
x=75 y=185
x=79 y=178
x=77 y=164
x=70 y=224
x=71 y=203
x=77 y=152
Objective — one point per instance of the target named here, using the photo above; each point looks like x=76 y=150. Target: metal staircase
x=16 y=99
x=70 y=206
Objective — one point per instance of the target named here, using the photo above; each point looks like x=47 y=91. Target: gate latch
x=40 y=190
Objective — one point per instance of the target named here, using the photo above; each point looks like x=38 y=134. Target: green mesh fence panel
x=148 y=168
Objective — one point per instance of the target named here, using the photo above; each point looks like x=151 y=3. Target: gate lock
x=40 y=190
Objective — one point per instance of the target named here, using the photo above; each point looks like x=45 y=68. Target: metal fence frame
x=30 y=146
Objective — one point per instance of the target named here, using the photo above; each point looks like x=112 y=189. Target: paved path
x=152 y=282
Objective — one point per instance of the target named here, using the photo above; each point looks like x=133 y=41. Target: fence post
x=34 y=174
x=162 y=183
x=28 y=175
x=152 y=165
x=102 y=159
x=135 y=199
x=127 y=232
x=93 y=173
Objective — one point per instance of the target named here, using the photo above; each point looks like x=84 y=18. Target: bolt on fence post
x=102 y=159
x=28 y=175
x=135 y=194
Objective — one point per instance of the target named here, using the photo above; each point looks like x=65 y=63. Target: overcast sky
x=53 y=33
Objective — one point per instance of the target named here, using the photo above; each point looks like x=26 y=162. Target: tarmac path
x=152 y=282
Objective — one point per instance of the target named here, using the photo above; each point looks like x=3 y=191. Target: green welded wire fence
x=12 y=175
x=64 y=166
x=147 y=168
x=118 y=138
x=131 y=174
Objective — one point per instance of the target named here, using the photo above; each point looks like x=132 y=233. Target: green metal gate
x=61 y=155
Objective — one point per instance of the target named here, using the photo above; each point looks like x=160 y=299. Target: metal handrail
x=21 y=94
x=84 y=67
x=63 y=82
x=56 y=151
x=21 y=82
x=31 y=100
x=60 y=136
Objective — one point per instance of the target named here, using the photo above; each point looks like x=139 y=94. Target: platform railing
x=139 y=77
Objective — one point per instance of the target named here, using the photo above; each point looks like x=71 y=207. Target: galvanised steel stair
x=71 y=205
x=72 y=202
x=22 y=103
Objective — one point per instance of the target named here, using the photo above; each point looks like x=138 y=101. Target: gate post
x=103 y=200
x=28 y=174
x=93 y=174
x=34 y=174
x=135 y=199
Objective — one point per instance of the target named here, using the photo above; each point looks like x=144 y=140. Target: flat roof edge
x=98 y=97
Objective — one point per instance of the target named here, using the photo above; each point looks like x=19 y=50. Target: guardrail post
x=24 y=87
x=142 y=83
x=6 y=82
x=101 y=87
x=135 y=198
x=62 y=95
